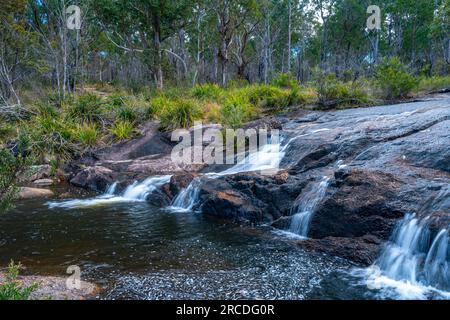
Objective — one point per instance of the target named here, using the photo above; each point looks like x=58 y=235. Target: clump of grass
x=87 y=134
x=50 y=135
x=181 y=114
x=158 y=106
x=285 y=80
x=7 y=131
x=269 y=97
x=87 y=107
x=122 y=130
x=236 y=110
x=12 y=288
x=207 y=91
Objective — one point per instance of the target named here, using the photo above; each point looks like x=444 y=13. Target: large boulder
x=360 y=202
x=95 y=178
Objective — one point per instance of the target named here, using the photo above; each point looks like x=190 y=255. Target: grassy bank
x=55 y=131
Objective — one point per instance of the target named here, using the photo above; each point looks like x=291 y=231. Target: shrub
x=434 y=83
x=270 y=97
x=12 y=289
x=285 y=80
x=332 y=92
x=158 y=105
x=50 y=135
x=88 y=107
x=212 y=112
x=236 y=110
x=394 y=79
x=86 y=134
x=11 y=167
x=207 y=91
x=181 y=114
x=122 y=130
x=126 y=113
x=6 y=132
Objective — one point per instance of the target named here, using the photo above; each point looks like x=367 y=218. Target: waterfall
x=307 y=206
x=137 y=192
x=267 y=158
x=414 y=263
x=187 y=198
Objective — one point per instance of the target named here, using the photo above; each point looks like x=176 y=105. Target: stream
x=134 y=250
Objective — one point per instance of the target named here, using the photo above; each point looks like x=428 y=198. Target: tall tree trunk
x=158 y=52
x=289 y=35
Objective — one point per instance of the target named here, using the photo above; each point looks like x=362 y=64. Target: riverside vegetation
x=56 y=132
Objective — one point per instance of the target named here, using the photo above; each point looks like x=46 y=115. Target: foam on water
x=414 y=264
x=137 y=192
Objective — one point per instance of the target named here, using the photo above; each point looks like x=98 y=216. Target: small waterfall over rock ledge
x=307 y=206
x=137 y=192
x=415 y=264
x=267 y=159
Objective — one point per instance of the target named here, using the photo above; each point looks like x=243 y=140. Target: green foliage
x=50 y=135
x=394 y=79
x=122 y=130
x=87 y=107
x=433 y=83
x=207 y=91
x=285 y=80
x=269 y=97
x=6 y=131
x=12 y=288
x=236 y=110
x=126 y=113
x=181 y=114
x=332 y=92
x=12 y=165
x=158 y=106
x=87 y=134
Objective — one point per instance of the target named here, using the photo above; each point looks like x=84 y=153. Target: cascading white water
x=307 y=206
x=137 y=192
x=414 y=263
x=187 y=198
x=267 y=158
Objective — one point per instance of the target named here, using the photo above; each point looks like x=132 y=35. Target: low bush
x=236 y=110
x=12 y=288
x=122 y=130
x=181 y=114
x=86 y=134
x=394 y=79
x=11 y=166
x=331 y=92
x=207 y=91
x=158 y=106
x=270 y=97
x=50 y=136
x=87 y=107
x=433 y=83
x=285 y=80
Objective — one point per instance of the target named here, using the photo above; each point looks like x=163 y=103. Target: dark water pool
x=136 y=251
